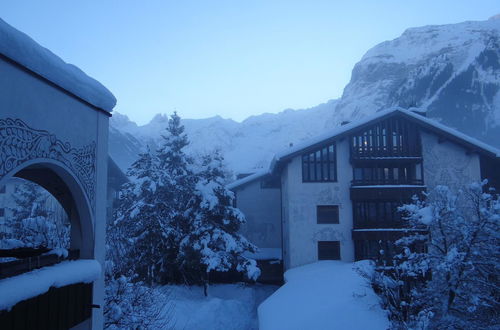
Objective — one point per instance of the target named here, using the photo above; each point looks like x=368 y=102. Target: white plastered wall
x=447 y=163
x=42 y=106
x=301 y=231
x=261 y=207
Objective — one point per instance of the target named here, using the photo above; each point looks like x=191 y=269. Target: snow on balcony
x=28 y=285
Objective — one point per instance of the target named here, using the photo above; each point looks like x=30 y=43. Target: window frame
x=336 y=209
x=336 y=244
x=327 y=162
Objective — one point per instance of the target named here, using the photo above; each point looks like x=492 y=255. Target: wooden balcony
x=30 y=259
x=401 y=193
x=59 y=308
x=379 y=234
x=383 y=182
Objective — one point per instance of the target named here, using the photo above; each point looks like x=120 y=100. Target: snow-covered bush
x=133 y=305
x=37 y=218
x=454 y=282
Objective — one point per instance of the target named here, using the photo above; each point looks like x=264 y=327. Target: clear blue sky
x=228 y=58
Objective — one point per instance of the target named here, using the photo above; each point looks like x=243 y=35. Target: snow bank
x=37 y=282
x=228 y=306
x=323 y=295
x=22 y=49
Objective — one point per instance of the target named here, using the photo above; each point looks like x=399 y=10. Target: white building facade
x=54 y=132
x=339 y=194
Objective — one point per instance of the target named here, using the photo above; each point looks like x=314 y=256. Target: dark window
x=389 y=138
x=328 y=250
x=327 y=213
x=320 y=165
x=2 y=190
x=2 y=212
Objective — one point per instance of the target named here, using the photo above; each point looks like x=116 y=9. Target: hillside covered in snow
x=247 y=146
x=452 y=71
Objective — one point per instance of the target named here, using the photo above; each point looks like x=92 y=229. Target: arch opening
x=46 y=207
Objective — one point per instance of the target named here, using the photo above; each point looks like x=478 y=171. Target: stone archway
x=67 y=173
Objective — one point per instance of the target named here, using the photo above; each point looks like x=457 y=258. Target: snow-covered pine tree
x=212 y=241
x=137 y=235
x=460 y=266
x=176 y=187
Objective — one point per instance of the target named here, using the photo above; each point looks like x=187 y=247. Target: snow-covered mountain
x=247 y=146
x=452 y=71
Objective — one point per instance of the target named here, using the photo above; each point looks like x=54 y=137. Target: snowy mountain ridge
x=451 y=71
x=247 y=146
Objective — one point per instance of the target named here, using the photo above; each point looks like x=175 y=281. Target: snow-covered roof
x=26 y=52
x=248 y=178
x=340 y=131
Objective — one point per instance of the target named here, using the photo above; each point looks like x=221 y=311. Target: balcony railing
x=384 y=182
x=59 y=308
x=360 y=152
x=30 y=259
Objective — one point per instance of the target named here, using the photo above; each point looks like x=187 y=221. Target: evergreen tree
x=137 y=234
x=176 y=177
x=455 y=283
x=212 y=241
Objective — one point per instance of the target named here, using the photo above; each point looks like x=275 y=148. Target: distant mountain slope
x=247 y=146
x=452 y=71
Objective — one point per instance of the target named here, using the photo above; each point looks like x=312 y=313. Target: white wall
x=42 y=106
x=447 y=163
x=261 y=207
x=300 y=199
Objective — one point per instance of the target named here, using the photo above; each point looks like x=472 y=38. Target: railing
x=379 y=224
x=388 y=152
x=377 y=182
x=30 y=259
x=59 y=308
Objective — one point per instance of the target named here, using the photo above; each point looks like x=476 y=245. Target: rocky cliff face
x=451 y=71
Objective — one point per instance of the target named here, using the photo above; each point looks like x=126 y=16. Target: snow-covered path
x=229 y=306
x=323 y=295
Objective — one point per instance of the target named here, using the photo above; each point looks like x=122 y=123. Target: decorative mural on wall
x=446 y=166
x=20 y=143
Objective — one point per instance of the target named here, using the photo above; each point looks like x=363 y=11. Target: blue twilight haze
x=228 y=58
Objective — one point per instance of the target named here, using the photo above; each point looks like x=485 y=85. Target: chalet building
x=54 y=132
x=336 y=196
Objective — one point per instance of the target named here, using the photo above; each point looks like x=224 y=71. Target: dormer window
x=320 y=165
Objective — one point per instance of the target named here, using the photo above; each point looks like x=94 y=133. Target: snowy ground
x=323 y=295
x=229 y=306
